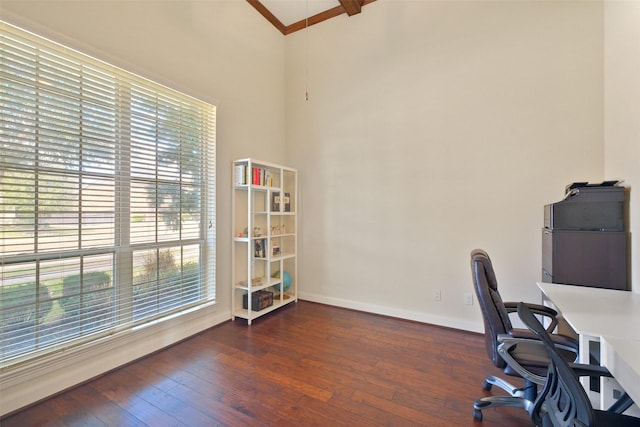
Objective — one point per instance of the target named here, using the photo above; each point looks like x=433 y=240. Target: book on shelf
x=287 y=203
x=275 y=201
x=240 y=174
x=259 y=248
x=262 y=177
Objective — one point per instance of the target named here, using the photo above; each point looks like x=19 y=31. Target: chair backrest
x=494 y=314
x=562 y=401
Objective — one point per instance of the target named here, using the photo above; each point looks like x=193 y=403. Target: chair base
x=507 y=401
x=522 y=398
x=506 y=386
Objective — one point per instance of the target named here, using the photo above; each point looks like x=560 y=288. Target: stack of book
x=254 y=176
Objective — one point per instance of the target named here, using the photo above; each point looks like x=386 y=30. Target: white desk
x=597 y=312
x=606 y=315
x=622 y=358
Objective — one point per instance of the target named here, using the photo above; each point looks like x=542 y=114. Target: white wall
x=221 y=51
x=432 y=128
x=622 y=110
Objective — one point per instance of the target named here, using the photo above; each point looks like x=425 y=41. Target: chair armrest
x=542 y=310
x=507 y=342
x=511 y=306
x=582 y=370
x=535 y=308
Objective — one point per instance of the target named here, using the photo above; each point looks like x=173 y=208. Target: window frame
x=122 y=248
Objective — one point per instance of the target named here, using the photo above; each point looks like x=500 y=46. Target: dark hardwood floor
x=305 y=365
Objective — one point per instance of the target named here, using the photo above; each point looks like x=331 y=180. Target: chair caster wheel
x=486 y=385
x=477 y=414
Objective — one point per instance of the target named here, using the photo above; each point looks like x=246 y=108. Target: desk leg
x=609 y=389
x=586 y=343
x=603 y=398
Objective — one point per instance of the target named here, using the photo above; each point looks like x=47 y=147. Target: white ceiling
x=290 y=11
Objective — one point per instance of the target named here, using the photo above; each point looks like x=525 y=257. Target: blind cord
x=306 y=73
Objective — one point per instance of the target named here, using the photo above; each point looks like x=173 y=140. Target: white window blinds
x=107 y=215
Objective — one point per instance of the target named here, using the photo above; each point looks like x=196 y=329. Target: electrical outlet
x=437 y=296
x=468 y=298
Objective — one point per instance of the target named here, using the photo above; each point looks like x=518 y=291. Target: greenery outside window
x=107 y=192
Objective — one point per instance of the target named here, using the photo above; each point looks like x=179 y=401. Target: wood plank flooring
x=304 y=365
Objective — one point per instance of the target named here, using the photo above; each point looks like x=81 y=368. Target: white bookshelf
x=265 y=244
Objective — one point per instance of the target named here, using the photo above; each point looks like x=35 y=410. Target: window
x=107 y=215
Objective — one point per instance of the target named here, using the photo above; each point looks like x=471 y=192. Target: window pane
x=169 y=208
x=147 y=267
x=97 y=212
x=60 y=324
x=165 y=279
x=17 y=212
x=191 y=273
x=20 y=314
x=190 y=216
x=84 y=292
x=57 y=204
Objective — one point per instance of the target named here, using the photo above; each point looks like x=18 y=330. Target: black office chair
x=516 y=351
x=563 y=402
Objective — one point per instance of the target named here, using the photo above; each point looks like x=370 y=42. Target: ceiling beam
x=322 y=16
x=268 y=15
x=352 y=7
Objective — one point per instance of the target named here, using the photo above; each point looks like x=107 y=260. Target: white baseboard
x=32 y=381
x=394 y=312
